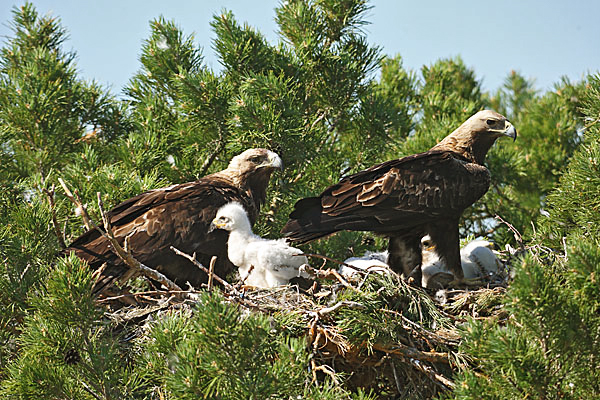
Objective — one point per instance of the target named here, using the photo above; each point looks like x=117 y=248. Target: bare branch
x=227 y=285
x=127 y=257
x=514 y=230
x=77 y=201
x=409 y=352
x=211 y=272
x=328 y=274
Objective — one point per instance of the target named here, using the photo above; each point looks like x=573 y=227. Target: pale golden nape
x=476 y=135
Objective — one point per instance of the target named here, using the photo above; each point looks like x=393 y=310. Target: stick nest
x=378 y=332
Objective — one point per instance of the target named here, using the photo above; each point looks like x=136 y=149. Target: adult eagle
x=408 y=198
x=180 y=216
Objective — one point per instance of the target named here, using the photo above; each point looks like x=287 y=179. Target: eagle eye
x=490 y=122
x=255 y=159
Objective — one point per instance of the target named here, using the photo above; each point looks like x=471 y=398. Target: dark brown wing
x=392 y=196
x=177 y=216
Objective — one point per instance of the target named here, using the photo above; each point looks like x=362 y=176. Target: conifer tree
x=315 y=98
x=549 y=348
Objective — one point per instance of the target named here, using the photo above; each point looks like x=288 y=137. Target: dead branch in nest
x=328 y=274
x=437 y=378
x=147 y=293
x=197 y=263
x=409 y=352
x=211 y=272
x=116 y=247
x=333 y=260
x=126 y=256
x=345 y=303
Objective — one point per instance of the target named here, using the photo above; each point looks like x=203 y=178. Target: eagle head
x=256 y=159
x=251 y=171
x=476 y=135
x=491 y=123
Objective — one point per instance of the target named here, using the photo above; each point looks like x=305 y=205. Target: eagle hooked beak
x=274 y=161
x=510 y=131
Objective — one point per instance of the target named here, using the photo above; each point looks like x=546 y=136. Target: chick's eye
x=490 y=122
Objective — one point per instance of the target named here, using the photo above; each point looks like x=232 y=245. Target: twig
x=396 y=378
x=337 y=306
x=59 y=235
x=125 y=256
x=243 y=281
x=78 y=203
x=147 y=293
x=514 y=230
x=333 y=260
x=325 y=369
x=409 y=352
x=210 y=159
x=89 y=390
x=192 y=258
x=328 y=274
x=211 y=272
x=434 y=375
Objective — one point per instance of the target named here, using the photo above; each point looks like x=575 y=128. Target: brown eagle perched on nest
x=180 y=216
x=406 y=199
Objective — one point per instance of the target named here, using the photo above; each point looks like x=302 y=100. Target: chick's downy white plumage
x=477 y=261
x=375 y=262
x=274 y=261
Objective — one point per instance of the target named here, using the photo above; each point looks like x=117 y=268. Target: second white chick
x=274 y=261
x=369 y=262
x=477 y=260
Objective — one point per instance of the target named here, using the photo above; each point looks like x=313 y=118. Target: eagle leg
x=444 y=235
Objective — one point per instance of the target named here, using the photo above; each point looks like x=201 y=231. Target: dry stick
x=333 y=260
x=514 y=230
x=147 y=293
x=59 y=235
x=439 y=378
x=243 y=281
x=116 y=247
x=337 y=306
x=78 y=203
x=404 y=351
x=328 y=274
x=211 y=272
x=127 y=257
x=192 y=258
x=396 y=378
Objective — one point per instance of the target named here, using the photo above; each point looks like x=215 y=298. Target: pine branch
x=50 y=196
x=220 y=145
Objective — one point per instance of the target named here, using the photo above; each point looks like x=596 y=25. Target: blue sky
x=543 y=40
